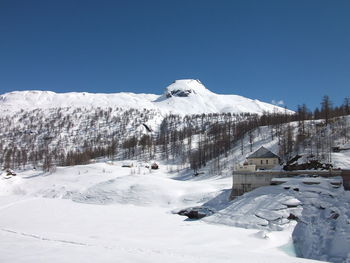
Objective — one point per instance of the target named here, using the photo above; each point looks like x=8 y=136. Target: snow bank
x=147 y=190
x=321 y=211
x=263 y=208
x=324 y=229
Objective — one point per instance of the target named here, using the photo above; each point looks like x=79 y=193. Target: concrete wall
x=346 y=179
x=263 y=163
x=243 y=183
x=246 y=168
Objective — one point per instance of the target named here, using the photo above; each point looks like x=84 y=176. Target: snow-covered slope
x=29 y=100
x=186 y=96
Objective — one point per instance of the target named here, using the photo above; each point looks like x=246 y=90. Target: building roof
x=262 y=152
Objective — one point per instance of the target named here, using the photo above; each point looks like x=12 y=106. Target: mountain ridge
x=186 y=96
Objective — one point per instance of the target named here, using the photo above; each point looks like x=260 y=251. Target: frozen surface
x=106 y=213
x=264 y=208
x=324 y=230
x=321 y=213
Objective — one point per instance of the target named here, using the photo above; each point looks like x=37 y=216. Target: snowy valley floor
x=106 y=213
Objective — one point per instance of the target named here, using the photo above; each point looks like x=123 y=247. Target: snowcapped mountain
x=187 y=96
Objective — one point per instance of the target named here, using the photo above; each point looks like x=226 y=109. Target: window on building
x=261 y=162
x=267 y=161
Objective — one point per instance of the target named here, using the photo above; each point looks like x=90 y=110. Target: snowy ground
x=106 y=213
x=342 y=159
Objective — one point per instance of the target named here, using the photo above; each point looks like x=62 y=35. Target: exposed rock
x=179 y=93
x=310 y=165
x=196 y=212
x=334 y=215
x=293 y=217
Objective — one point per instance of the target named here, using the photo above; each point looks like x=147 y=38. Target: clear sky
x=290 y=50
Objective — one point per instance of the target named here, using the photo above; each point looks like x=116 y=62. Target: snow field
x=106 y=213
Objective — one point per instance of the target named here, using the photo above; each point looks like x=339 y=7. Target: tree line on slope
x=194 y=139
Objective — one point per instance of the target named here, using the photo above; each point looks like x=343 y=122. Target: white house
x=263 y=159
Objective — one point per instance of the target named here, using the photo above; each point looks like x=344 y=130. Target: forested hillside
x=69 y=136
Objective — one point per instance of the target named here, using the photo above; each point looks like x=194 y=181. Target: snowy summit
x=186 y=96
x=185 y=88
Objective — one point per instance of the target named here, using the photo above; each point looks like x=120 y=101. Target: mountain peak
x=185 y=88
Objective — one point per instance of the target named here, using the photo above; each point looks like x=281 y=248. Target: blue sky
x=295 y=51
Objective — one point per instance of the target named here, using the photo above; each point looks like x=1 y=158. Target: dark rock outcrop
x=196 y=212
